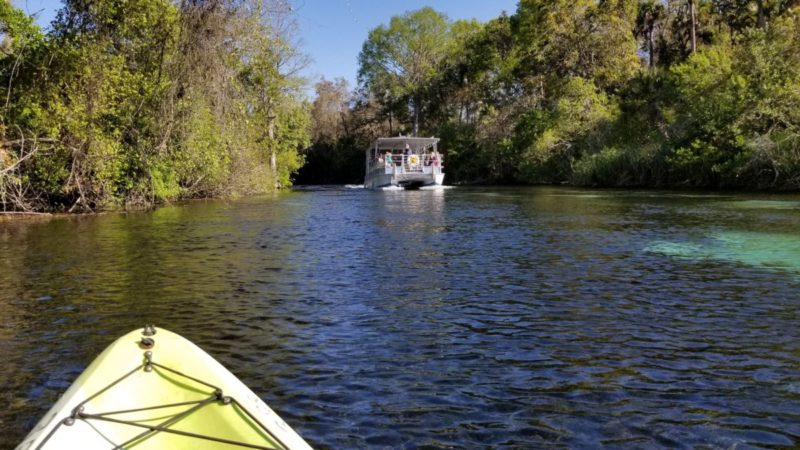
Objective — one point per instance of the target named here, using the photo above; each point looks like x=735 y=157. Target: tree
x=399 y=61
x=21 y=132
x=270 y=75
x=692 y=23
x=338 y=137
x=329 y=112
x=650 y=15
x=740 y=15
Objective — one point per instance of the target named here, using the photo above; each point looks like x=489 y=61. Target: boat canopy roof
x=414 y=143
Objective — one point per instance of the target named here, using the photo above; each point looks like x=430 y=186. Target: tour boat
x=404 y=162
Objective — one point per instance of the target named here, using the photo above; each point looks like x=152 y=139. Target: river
x=463 y=317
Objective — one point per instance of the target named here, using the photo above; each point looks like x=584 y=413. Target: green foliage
x=739 y=108
x=140 y=101
x=293 y=134
x=200 y=165
x=601 y=168
x=578 y=38
x=570 y=127
x=164 y=182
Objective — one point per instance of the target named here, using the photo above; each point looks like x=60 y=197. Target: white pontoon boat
x=407 y=162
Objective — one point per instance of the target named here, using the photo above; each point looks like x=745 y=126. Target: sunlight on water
x=435 y=187
x=765 y=204
x=679 y=249
x=579 y=195
x=778 y=250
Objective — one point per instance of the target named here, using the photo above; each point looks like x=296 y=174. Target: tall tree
x=330 y=110
x=740 y=15
x=271 y=65
x=693 y=24
x=650 y=15
x=398 y=61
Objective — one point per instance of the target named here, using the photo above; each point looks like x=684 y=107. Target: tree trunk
x=762 y=18
x=416 y=116
x=273 y=160
x=693 y=20
x=651 y=47
x=345 y=127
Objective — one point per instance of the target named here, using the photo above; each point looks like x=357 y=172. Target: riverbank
x=32 y=216
x=164 y=102
x=8 y=216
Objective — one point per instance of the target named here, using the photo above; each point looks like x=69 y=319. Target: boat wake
x=434 y=187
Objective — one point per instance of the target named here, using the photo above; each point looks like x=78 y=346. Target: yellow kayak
x=153 y=389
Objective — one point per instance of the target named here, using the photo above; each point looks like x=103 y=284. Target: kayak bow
x=153 y=389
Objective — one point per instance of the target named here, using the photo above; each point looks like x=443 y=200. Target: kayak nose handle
x=147 y=343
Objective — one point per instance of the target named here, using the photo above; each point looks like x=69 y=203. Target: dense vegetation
x=695 y=93
x=130 y=102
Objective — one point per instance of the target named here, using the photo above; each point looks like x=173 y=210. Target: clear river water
x=455 y=318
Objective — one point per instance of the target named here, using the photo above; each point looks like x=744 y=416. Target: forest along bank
x=108 y=110
x=686 y=93
x=125 y=106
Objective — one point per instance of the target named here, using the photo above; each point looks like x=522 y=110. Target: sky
x=333 y=31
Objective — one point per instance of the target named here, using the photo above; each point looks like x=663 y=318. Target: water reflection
x=500 y=317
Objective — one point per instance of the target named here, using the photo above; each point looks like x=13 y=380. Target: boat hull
x=407 y=181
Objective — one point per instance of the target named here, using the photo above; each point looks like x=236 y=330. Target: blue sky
x=332 y=31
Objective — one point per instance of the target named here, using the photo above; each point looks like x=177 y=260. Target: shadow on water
x=497 y=317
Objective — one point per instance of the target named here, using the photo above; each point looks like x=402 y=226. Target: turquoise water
x=765 y=234
x=756 y=249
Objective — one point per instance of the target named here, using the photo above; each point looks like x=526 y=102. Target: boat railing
x=413 y=163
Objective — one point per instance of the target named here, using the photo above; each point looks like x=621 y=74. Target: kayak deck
x=153 y=389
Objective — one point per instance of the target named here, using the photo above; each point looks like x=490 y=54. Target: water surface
x=506 y=318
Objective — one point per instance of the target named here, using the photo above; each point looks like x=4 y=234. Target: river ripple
x=505 y=318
